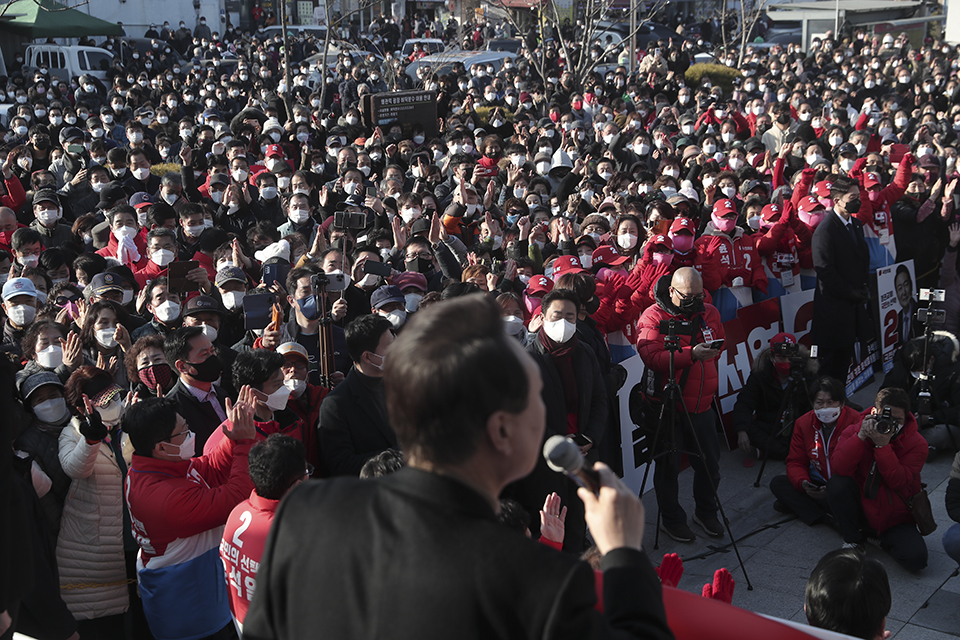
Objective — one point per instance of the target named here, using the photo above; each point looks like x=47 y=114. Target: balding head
x=685 y=286
x=8 y=220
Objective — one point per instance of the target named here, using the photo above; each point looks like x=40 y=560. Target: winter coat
x=809 y=451
x=899 y=464
x=737 y=256
x=90 y=544
x=702 y=383
x=944 y=384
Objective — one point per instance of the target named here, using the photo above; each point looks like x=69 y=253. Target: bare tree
x=750 y=13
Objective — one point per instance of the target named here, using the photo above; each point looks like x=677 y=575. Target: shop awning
x=49 y=19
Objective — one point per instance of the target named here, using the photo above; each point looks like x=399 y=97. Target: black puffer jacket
x=945 y=383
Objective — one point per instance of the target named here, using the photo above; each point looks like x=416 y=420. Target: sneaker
x=853 y=545
x=710 y=524
x=779 y=507
x=679 y=532
x=875 y=541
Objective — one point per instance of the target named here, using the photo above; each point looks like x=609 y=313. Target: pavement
x=779 y=553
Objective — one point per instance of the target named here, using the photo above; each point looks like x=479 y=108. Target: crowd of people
x=205 y=270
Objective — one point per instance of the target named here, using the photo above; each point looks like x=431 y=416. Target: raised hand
x=553 y=519
x=670 y=570
x=239 y=424
x=722 y=587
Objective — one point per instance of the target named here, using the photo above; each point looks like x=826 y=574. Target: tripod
x=788 y=412
x=668 y=422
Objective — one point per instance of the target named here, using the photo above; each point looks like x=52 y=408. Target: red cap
x=524 y=96
x=274 y=150
x=682 y=224
x=783 y=337
x=871 y=180
x=823 y=189
x=566 y=264
x=810 y=203
x=723 y=207
x=770 y=211
x=539 y=284
x=605 y=254
x=662 y=240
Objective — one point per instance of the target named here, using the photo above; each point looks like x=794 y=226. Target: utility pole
x=633 y=36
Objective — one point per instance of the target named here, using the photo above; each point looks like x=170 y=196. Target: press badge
x=707 y=334
x=786 y=278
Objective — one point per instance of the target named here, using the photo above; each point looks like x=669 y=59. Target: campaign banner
x=897 y=317
x=797 y=310
x=633 y=440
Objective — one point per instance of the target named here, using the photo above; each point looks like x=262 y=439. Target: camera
x=924 y=409
x=786 y=349
x=885 y=422
x=345 y=220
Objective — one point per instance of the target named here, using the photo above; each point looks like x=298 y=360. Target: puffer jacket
x=90 y=544
x=809 y=451
x=898 y=463
x=702 y=383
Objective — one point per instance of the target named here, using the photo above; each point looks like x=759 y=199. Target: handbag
x=919 y=506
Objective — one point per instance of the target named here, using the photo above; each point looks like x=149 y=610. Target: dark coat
x=842 y=267
x=417 y=555
x=201 y=418
x=944 y=384
x=353 y=425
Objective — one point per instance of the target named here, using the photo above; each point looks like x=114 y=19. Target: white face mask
x=22 y=314
x=51 y=357
x=111 y=413
x=162 y=257
x=210 y=332
x=295 y=387
x=106 y=337
x=299 y=216
x=396 y=318
x=124 y=232
x=187 y=448
x=512 y=325
x=52 y=411
x=828 y=415
x=559 y=331
x=167 y=311
x=729 y=192
x=141 y=174
x=233 y=299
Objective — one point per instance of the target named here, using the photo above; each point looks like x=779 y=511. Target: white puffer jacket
x=90 y=544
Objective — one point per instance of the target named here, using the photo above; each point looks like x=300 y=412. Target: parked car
x=512 y=45
x=783 y=39
x=67 y=61
x=316 y=30
x=430 y=45
x=442 y=63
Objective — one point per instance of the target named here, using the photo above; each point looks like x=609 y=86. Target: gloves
x=746 y=274
x=670 y=570
x=92 y=427
x=127 y=250
x=722 y=588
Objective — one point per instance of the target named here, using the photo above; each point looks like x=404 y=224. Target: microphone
x=563 y=456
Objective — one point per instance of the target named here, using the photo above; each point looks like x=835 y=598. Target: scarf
x=562 y=356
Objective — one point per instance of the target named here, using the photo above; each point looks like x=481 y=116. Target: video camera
x=930 y=315
x=885 y=422
x=786 y=349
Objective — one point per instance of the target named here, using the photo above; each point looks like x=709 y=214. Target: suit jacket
x=352 y=427
x=417 y=555
x=903 y=317
x=842 y=265
x=201 y=417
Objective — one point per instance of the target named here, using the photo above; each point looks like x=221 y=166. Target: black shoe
x=710 y=524
x=679 y=532
x=779 y=507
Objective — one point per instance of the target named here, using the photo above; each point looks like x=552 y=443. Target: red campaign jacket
x=15 y=196
x=244 y=537
x=737 y=256
x=140 y=240
x=616 y=312
x=656 y=357
x=788 y=236
x=293 y=428
x=807 y=446
x=898 y=463
x=708 y=268
x=876 y=215
x=150 y=271
x=307 y=408
x=176 y=501
x=207 y=263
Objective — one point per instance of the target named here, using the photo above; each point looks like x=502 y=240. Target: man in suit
x=464 y=400
x=199 y=400
x=907 y=325
x=841 y=258
x=354 y=426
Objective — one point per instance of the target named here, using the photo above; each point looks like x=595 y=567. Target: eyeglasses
x=423 y=254
x=63 y=301
x=684 y=296
x=310 y=469
x=186 y=433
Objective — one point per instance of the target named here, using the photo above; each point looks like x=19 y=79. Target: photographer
x=935 y=401
x=680 y=299
x=876 y=468
x=773 y=397
x=812 y=449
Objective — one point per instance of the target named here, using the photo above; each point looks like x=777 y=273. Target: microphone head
x=562 y=454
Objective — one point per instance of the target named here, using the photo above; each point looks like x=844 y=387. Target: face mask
x=846 y=164
x=29 y=261
x=662 y=259
x=168 y=312
x=268 y=193
x=106 y=338
x=735 y=163
x=48 y=217
x=627 y=240
x=727 y=137
x=411 y=301
x=52 y=411
x=512 y=325
x=724 y=225
x=828 y=415
x=187 y=448
x=208 y=370
x=51 y=357
x=111 y=414
x=239 y=175
x=729 y=192
x=141 y=174
x=396 y=318
x=900 y=123
x=810 y=219
x=22 y=314
x=853 y=206
x=560 y=331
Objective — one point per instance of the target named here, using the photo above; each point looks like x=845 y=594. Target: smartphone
x=275 y=272
x=177 y=276
x=715 y=344
x=346 y=220
x=336 y=281
x=581 y=440
x=377 y=268
x=371 y=192
x=258 y=310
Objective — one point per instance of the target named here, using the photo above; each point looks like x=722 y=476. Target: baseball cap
x=199 y=304
x=723 y=207
x=46 y=195
x=607 y=255
x=228 y=274
x=141 y=199
x=385 y=295
x=566 y=264
x=607 y=202
x=18 y=287
x=103 y=282
x=274 y=150
x=663 y=240
x=769 y=211
x=219 y=179
x=871 y=180
x=293 y=348
x=809 y=204
x=38 y=380
x=410 y=279
x=539 y=284
x=682 y=224
x=783 y=337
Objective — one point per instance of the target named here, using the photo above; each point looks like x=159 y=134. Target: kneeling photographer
x=876 y=471
x=933 y=384
x=774 y=395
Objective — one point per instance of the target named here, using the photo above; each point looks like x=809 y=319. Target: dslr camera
x=885 y=422
x=786 y=349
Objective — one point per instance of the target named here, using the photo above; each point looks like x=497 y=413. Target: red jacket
x=244 y=537
x=15 y=196
x=140 y=240
x=307 y=407
x=737 y=256
x=657 y=358
x=150 y=271
x=808 y=448
x=898 y=463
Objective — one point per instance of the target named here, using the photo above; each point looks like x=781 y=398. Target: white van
x=67 y=61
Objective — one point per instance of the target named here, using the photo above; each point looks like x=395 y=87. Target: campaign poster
x=633 y=439
x=797 y=310
x=897 y=302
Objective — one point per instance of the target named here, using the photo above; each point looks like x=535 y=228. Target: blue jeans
x=951 y=542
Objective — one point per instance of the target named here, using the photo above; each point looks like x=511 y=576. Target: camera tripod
x=668 y=424
x=789 y=411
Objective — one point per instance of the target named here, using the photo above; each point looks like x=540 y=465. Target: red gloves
x=670 y=570
x=722 y=587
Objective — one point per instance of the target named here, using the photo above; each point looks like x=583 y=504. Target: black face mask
x=691 y=306
x=783 y=119
x=208 y=370
x=420 y=265
x=853 y=206
x=592 y=305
